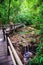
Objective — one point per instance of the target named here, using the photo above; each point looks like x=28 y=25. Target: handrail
x=14 y=62
x=15 y=53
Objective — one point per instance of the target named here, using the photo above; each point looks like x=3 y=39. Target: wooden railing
x=14 y=62
x=13 y=53
x=10 y=48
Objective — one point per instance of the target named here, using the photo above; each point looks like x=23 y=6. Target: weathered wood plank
x=7 y=63
x=4 y=59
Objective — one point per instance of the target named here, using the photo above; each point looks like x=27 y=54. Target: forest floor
x=25 y=41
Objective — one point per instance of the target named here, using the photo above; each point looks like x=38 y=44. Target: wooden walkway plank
x=4 y=59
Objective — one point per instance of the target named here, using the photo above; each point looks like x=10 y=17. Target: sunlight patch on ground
x=1 y=39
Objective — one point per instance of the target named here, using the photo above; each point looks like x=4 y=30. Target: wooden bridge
x=4 y=59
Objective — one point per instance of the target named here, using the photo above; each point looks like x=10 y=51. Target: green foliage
x=28 y=11
x=41 y=39
x=14 y=7
x=41 y=29
x=4 y=11
x=1 y=1
x=23 y=18
x=39 y=49
x=38 y=60
x=31 y=12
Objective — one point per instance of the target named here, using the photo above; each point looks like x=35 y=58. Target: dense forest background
x=22 y=11
x=29 y=12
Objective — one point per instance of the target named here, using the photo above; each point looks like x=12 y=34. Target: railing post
x=3 y=28
x=7 y=35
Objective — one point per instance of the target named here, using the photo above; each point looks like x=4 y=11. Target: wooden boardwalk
x=4 y=59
